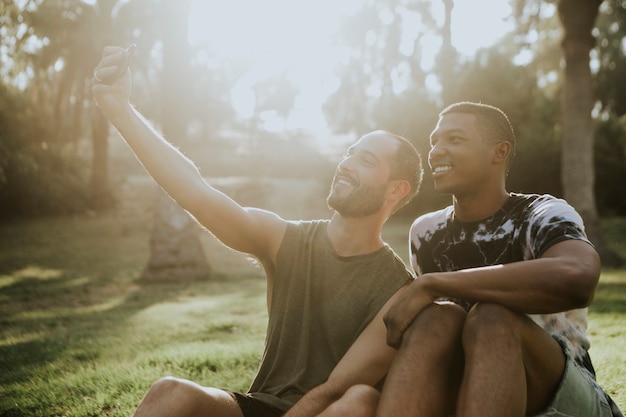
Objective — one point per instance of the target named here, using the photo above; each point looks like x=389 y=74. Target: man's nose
x=436 y=149
x=346 y=163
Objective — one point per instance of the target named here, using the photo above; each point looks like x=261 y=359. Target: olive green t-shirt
x=320 y=304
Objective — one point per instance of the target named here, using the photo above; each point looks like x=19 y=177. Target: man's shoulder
x=543 y=206
x=535 y=199
x=428 y=227
x=299 y=232
x=431 y=221
x=307 y=224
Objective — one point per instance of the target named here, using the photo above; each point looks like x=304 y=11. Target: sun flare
x=293 y=39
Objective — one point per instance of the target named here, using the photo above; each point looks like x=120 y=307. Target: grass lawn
x=80 y=336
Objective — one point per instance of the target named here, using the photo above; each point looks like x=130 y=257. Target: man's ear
x=398 y=189
x=501 y=152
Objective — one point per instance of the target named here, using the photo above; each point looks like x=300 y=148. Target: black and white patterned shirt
x=524 y=228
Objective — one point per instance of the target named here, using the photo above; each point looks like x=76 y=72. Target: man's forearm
x=315 y=401
x=541 y=286
x=166 y=164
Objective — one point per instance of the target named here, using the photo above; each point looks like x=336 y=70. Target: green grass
x=81 y=336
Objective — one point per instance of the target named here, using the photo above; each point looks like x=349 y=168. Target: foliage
x=36 y=176
x=54 y=45
x=379 y=70
x=520 y=74
x=610 y=145
x=610 y=158
x=611 y=56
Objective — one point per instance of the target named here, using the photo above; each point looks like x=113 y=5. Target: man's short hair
x=492 y=123
x=406 y=165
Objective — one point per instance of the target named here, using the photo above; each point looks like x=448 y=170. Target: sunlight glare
x=475 y=27
x=276 y=37
x=292 y=38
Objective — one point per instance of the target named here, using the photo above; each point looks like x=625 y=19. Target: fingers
x=393 y=322
x=98 y=88
x=394 y=331
x=107 y=74
x=111 y=50
x=402 y=313
x=113 y=65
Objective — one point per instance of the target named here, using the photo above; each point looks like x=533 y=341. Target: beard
x=363 y=201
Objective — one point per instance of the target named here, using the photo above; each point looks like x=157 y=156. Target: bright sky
x=294 y=35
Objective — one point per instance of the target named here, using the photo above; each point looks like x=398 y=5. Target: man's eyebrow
x=453 y=130
x=441 y=132
x=353 y=149
x=371 y=154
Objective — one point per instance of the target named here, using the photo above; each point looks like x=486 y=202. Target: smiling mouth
x=344 y=181
x=441 y=169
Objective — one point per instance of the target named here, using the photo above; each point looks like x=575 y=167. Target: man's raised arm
x=253 y=231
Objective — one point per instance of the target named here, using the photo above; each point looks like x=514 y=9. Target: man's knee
x=363 y=394
x=439 y=324
x=489 y=323
x=358 y=400
x=165 y=385
x=171 y=389
x=181 y=397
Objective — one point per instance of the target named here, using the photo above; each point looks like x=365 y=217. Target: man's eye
x=367 y=161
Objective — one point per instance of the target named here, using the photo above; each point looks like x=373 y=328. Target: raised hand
x=114 y=64
x=111 y=81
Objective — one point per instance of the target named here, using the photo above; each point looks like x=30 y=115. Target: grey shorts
x=579 y=395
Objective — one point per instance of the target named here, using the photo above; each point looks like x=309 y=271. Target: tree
x=38 y=174
x=577 y=21
x=578 y=174
x=175 y=248
x=71 y=35
x=609 y=88
x=73 y=31
x=380 y=68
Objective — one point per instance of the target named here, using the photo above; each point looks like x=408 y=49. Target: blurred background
x=262 y=94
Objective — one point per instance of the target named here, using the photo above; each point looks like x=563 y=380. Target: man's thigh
x=498 y=332
x=544 y=361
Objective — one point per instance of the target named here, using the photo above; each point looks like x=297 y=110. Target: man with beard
x=328 y=281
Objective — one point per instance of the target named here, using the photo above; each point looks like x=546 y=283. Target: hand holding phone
x=110 y=78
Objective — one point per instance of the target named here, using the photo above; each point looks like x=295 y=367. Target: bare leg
x=358 y=401
x=512 y=366
x=178 y=397
x=424 y=376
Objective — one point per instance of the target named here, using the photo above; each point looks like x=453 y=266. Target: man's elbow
x=584 y=275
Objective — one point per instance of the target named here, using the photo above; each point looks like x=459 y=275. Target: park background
x=105 y=286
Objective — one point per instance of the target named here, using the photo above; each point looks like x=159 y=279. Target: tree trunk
x=100 y=192
x=175 y=249
x=447 y=58
x=176 y=252
x=577 y=172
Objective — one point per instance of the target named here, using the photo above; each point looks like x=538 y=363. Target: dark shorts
x=253 y=407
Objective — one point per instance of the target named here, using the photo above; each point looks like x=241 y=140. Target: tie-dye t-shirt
x=524 y=228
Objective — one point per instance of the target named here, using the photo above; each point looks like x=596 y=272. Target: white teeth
x=343 y=182
x=439 y=169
